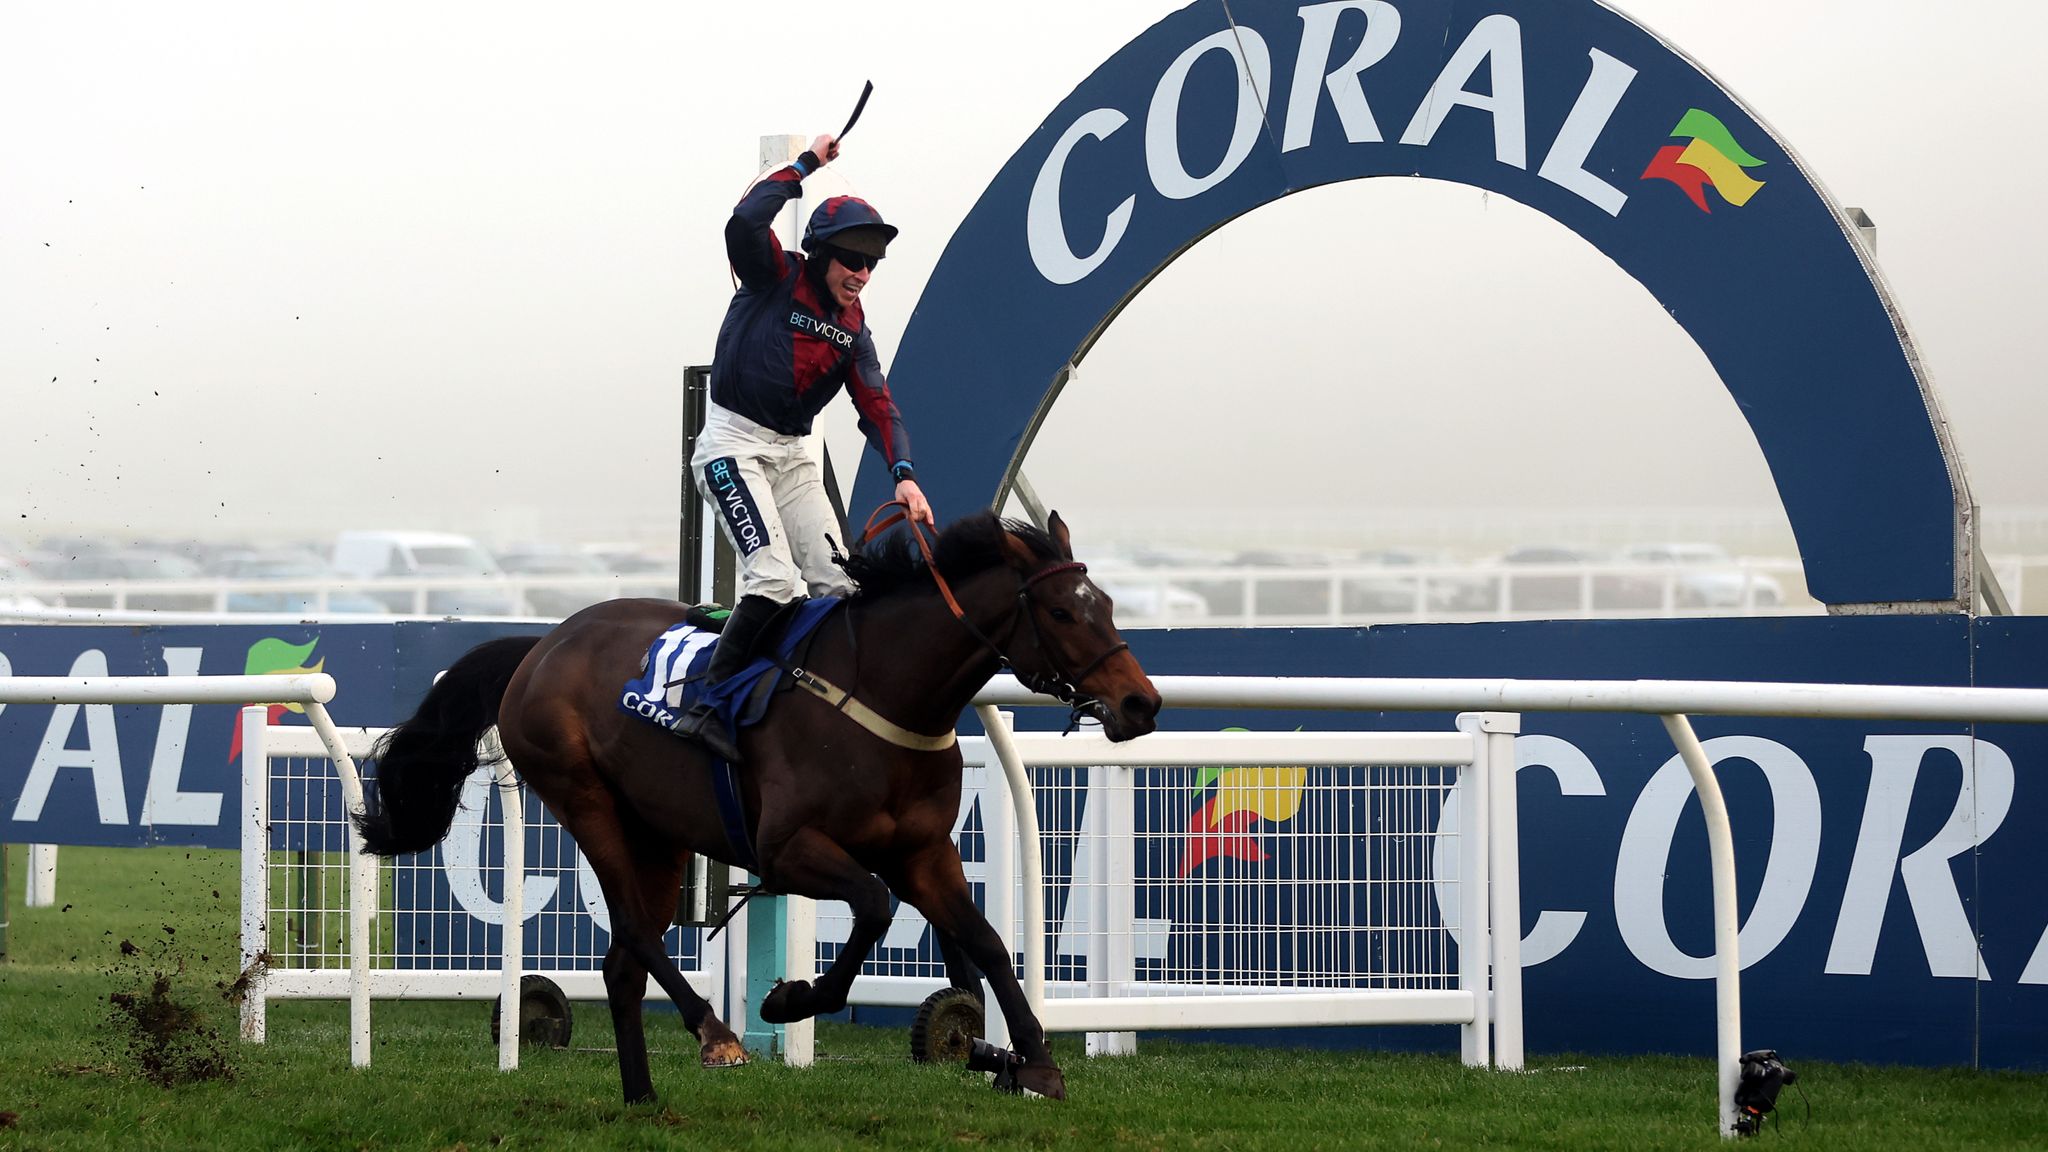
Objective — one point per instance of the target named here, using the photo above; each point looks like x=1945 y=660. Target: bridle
x=1057 y=683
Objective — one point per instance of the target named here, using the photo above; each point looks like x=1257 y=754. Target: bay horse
x=835 y=812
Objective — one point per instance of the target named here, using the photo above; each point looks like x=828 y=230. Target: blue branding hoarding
x=1889 y=882
x=132 y=775
x=1568 y=107
x=1887 y=870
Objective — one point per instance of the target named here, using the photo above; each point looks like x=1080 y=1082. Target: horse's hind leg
x=934 y=883
x=640 y=888
x=659 y=880
x=625 y=984
x=812 y=864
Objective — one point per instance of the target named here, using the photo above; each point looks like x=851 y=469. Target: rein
x=1060 y=685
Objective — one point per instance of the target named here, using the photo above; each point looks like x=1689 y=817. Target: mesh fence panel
x=439 y=910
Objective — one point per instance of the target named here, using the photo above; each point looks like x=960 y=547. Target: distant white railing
x=551 y=596
x=1348 y=595
x=1214 y=595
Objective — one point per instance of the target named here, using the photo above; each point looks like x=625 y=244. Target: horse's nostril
x=1140 y=706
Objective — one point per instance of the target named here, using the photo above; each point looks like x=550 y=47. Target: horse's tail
x=422 y=763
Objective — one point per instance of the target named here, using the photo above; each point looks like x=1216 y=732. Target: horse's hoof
x=726 y=1053
x=776 y=1007
x=1042 y=1080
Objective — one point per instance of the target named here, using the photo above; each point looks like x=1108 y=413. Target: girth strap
x=732 y=812
x=867 y=717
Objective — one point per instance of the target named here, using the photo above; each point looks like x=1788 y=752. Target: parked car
x=14 y=572
x=205 y=553
x=550 y=562
x=1396 y=594
x=126 y=566
x=406 y=555
x=1564 y=590
x=656 y=571
x=298 y=564
x=1709 y=576
x=1152 y=601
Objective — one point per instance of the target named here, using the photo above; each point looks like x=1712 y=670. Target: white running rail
x=1672 y=700
x=310 y=690
x=286 y=952
x=1366 y=946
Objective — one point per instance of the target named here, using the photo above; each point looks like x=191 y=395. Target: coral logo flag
x=1712 y=160
x=271 y=656
x=1223 y=824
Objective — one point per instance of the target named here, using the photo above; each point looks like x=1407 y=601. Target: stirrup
x=700 y=722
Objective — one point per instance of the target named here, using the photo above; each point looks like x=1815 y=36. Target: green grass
x=433 y=1083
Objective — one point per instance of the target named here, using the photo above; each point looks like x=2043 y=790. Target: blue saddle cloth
x=670 y=683
x=671 y=680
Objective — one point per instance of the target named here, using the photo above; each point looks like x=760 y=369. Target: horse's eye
x=1063 y=616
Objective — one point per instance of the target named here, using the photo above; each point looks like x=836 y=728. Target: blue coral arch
x=1566 y=106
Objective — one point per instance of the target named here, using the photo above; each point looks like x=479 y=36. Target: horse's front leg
x=934 y=883
x=812 y=864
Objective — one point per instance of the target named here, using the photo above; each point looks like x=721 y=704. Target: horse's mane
x=966 y=546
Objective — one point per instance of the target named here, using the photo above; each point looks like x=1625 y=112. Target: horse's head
x=1067 y=644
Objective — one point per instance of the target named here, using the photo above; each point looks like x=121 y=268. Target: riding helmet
x=849 y=222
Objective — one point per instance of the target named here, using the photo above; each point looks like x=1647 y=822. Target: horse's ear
x=1018 y=553
x=1058 y=528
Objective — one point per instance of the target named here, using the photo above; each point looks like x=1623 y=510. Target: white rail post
x=1122 y=818
x=1504 y=886
x=800 y=961
x=1112 y=904
x=1475 y=948
x=1727 y=916
x=734 y=955
x=512 y=936
x=1095 y=897
x=42 y=876
x=997 y=725
x=362 y=878
x=255 y=871
x=1000 y=852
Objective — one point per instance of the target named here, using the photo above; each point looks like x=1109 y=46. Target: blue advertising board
x=1889 y=880
x=132 y=775
x=1567 y=107
x=1887 y=870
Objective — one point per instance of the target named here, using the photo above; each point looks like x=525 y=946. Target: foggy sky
x=278 y=270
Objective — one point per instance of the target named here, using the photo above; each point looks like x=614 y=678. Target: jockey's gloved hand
x=919 y=509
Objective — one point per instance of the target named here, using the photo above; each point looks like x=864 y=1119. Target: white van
x=406 y=555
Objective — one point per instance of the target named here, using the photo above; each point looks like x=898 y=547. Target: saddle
x=670 y=682
x=670 y=671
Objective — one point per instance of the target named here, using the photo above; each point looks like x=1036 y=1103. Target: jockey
x=793 y=336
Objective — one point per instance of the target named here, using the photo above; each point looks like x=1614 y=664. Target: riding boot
x=734 y=650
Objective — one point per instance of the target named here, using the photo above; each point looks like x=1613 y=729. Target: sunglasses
x=855 y=261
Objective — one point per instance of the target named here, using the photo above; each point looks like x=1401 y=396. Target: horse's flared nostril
x=1141 y=705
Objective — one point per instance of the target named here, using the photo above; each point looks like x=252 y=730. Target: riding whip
x=866 y=91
